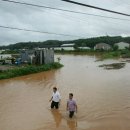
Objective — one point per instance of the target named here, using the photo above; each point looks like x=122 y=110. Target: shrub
x=29 y=69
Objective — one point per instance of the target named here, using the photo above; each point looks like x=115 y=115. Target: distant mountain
x=90 y=42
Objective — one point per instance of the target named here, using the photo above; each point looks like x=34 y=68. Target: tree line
x=89 y=42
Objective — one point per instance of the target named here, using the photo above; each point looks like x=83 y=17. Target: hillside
x=90 y=42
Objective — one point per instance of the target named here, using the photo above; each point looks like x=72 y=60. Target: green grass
x=116 y=54
x=29 y=69
x=108 y=55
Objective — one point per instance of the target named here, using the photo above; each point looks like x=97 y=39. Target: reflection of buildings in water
x=72 y=124
x=57 y=117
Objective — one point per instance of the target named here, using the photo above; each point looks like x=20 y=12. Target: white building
x=122 y=45
x=5 y=56
x=1 y=51
x=102 y=46
x=57 y=48
x=86 y=48
x=67 y=46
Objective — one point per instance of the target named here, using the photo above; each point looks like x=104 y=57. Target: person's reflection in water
x=57 y=116
x=72 y=124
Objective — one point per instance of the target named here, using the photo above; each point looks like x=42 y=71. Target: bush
x=114 y=54
x=29 y=69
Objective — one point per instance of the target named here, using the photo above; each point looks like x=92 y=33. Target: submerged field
x=102 y=96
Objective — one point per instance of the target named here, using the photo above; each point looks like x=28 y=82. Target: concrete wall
x=24 y=56
x=44 y=56
x=48 y=56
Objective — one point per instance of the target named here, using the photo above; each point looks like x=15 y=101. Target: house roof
x=122 y=43
x=67 y=45
x=103 y=44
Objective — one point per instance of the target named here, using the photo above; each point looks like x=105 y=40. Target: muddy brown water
x=103 y=97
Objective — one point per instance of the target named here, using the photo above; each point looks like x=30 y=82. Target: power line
x=90 y=6
x=65 y=10
x=36 y=31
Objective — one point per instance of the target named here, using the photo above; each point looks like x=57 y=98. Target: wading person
x=55 y=99
x=71 y=105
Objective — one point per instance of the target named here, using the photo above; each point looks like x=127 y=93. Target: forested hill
x=90 y=42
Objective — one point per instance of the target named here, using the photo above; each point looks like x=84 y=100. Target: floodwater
x=103 y=97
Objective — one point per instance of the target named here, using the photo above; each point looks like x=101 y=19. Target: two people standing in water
x=71 y=104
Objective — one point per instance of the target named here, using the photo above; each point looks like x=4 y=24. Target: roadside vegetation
x=28 y=69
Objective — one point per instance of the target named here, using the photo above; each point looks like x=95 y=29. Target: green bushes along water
x=28 y=69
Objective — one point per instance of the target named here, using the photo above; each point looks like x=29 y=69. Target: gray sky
x=41 y=19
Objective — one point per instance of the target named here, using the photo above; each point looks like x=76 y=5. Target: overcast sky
x=47 y=20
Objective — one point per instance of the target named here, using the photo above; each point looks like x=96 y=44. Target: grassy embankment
x=116 y=54
x=102 y=54
x=28 y=69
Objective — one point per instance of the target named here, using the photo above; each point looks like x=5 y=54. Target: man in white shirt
x=55 y=98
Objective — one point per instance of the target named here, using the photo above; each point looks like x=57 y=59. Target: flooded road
x=103 y=97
